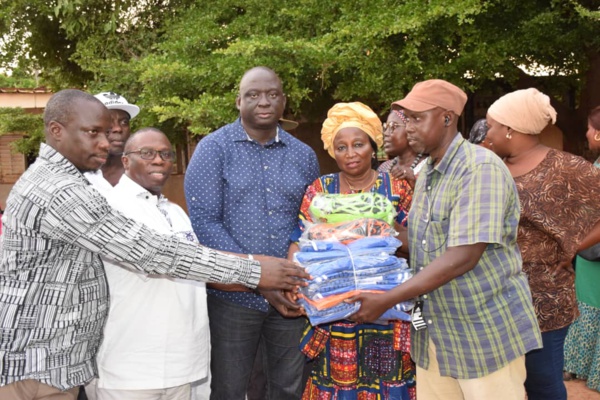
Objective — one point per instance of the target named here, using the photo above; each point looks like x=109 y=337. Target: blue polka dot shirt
x=245 y=197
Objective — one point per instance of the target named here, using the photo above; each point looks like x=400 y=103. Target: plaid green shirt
x=483 y=319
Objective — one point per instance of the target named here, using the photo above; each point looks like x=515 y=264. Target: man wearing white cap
x=121 y=112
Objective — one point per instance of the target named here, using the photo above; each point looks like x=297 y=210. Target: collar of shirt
x=50 y=154
x=241 y=135
x=129 y=188
x=446 y=160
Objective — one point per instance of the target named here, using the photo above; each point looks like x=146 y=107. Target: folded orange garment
x=334 y=300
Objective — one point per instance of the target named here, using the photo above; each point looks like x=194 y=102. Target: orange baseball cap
x=434 y=93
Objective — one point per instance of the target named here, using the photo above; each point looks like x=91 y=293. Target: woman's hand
x=407 y=173
x=565 y=265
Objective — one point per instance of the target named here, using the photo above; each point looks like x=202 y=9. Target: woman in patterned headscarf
x=478 y=133
x=353 y=360
x=559 y=195
x=404 y=162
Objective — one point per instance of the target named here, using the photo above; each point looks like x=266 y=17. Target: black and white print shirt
x=53 y=290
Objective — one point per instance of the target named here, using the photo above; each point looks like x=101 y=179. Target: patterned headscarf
x=400 y=113
x=527 y=111
x=478 y=131
x=347 y=115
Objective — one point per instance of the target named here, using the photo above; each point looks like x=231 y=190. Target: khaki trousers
x=31 y=389
x=505 y=384
x=93 y=392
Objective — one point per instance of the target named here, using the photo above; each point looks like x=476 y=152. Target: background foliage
x=181 y=60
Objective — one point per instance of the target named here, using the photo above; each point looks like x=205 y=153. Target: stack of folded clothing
x=341 y=271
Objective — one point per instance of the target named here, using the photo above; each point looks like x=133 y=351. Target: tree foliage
x=181 y=60
x=16 y=120
x=18 y=79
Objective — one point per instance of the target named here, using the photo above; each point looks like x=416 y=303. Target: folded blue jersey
x=365 y=264
x=344 y=310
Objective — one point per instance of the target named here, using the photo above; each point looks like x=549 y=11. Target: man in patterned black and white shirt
x=53 y=289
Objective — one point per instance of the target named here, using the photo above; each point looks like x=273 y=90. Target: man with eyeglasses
x=56 y=226
x=121 y=113
x=156 y=338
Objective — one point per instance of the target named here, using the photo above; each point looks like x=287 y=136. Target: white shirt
x=96 y=178
x=156 y=335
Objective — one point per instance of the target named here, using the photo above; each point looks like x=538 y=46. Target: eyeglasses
x=392 y=126
x=149 y=154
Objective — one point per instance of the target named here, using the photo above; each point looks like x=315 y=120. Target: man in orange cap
x=473 y=319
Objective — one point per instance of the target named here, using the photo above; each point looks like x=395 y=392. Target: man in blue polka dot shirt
x=243 y=187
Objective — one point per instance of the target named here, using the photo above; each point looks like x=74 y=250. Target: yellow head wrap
x=526 y=111
x=350 y=115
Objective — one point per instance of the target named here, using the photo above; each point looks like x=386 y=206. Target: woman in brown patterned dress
x=559 y=206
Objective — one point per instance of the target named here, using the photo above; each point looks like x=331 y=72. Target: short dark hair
x=61 y=105
x=139 y=132
x=594 y=118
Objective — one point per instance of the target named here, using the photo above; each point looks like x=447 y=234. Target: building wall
x=24 y=98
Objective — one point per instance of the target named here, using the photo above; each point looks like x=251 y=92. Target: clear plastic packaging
x=334 y=208
x=341 y=271
x=346 y=232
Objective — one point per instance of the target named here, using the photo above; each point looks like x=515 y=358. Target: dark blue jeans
x=545 y=367
x=236 y=332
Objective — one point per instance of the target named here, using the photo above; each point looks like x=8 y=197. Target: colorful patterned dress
x=582 y=345
x=360 y=361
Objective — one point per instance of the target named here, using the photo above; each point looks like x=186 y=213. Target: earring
x=508 y=135
x=374 y=155
x=597 y=136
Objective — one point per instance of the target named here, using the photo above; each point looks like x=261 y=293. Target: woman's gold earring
x=597 y=136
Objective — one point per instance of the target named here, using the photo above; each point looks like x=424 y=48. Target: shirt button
x=424 y=297
x=428 y=187
x=273 y=237
x=266 y=167
x=270 y=212
x=425 y=219
x=420 y=268
x=424 y=242
x=429 y=321
x=268 y=190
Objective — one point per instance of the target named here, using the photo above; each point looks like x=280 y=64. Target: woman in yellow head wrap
x=376 y=361
x=559 y=195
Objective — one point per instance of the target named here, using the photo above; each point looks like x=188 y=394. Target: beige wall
x=24 y=100
x=4 y=190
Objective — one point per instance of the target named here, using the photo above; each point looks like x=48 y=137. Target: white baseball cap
x=114 y=101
